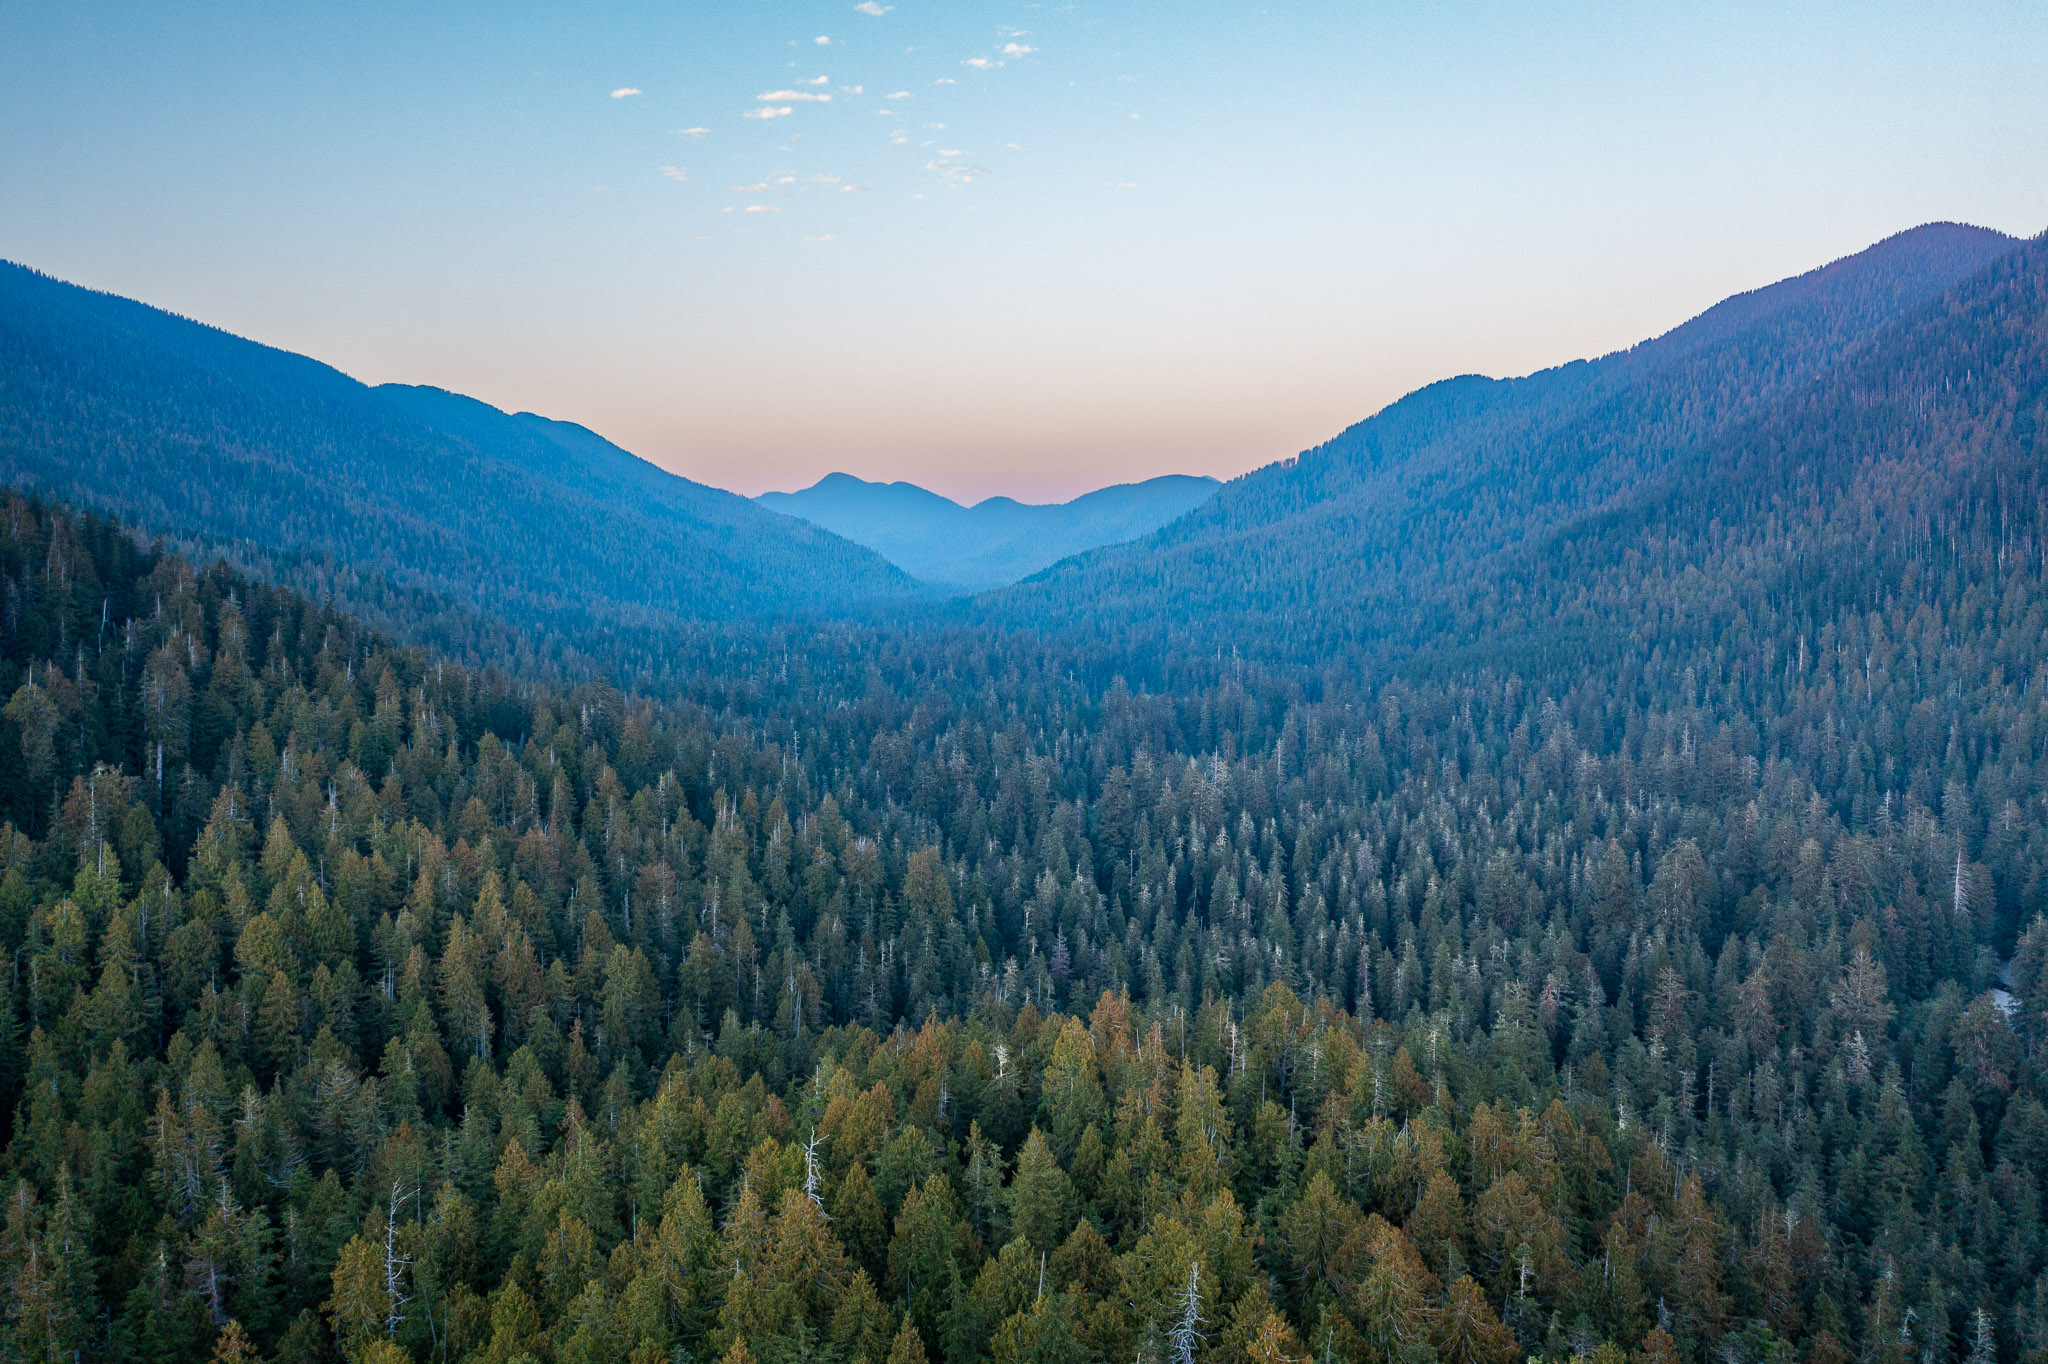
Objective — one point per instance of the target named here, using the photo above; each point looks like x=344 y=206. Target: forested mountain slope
x=1645 y=963
x=192 y=432
x=373 y=1006
x=1921 y=459
x=997 y=540
x=1341 y=548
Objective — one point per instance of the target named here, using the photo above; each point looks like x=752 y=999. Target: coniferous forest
x=1569 y=884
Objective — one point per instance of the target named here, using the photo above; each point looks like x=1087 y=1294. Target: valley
x=1555 y=871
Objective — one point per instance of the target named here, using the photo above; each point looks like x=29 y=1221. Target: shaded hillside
x=1336 y=550
x=1915 y=473
x=1639 y=960
x=994 y=542
x=375 y=1007
x=187 y=430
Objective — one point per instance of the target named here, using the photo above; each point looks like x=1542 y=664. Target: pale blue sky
x=1021 y=248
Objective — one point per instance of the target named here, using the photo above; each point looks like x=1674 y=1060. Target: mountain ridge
x=192 y=431
x=1608 y=804
x=1463 y=469
x=995 y=541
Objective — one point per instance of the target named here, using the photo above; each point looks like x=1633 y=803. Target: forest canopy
x=1640 y=960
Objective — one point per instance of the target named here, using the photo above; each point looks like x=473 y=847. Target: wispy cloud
x=807 y=96
x=870 y=7
x=979 y=63
x=822 y=41
x=900 y=94
x=764 y=208
x=828 y=237
x=691 y=132
x=675 y=173
x=1017 y=50
x=625 y=92
x=769 y=111
x=958 y=172
x=945 y=80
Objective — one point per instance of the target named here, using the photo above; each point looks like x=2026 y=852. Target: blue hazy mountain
x=994 y=542
x=192 y=432
x=1398 y=530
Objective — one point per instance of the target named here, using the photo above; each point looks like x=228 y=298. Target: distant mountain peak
x=997 y=540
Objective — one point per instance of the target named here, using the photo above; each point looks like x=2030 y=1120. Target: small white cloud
x=1017 y=50
x=870 y=7
x=691 y=132
x=1014 y=146
x=828 y=237
x=817 y=80
x=955 y=171
x=675 y=173
x=764 y=208
x=824 y=179
x=769 y=111
x=822 y=41
x=1126 y=184
x=899 y=141
x=624 y=92
x=851 y=89
x=979 y=63
x=761 y=188
x=945 y=80
x=853 y=189
x=955 y=153
x=900 y=94
x=807 y=96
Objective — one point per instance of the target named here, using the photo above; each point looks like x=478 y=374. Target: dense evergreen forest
x=368 y=493
x=1415 y=512
x=1640 y=960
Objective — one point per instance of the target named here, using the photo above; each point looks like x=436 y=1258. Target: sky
x=1028 y=249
